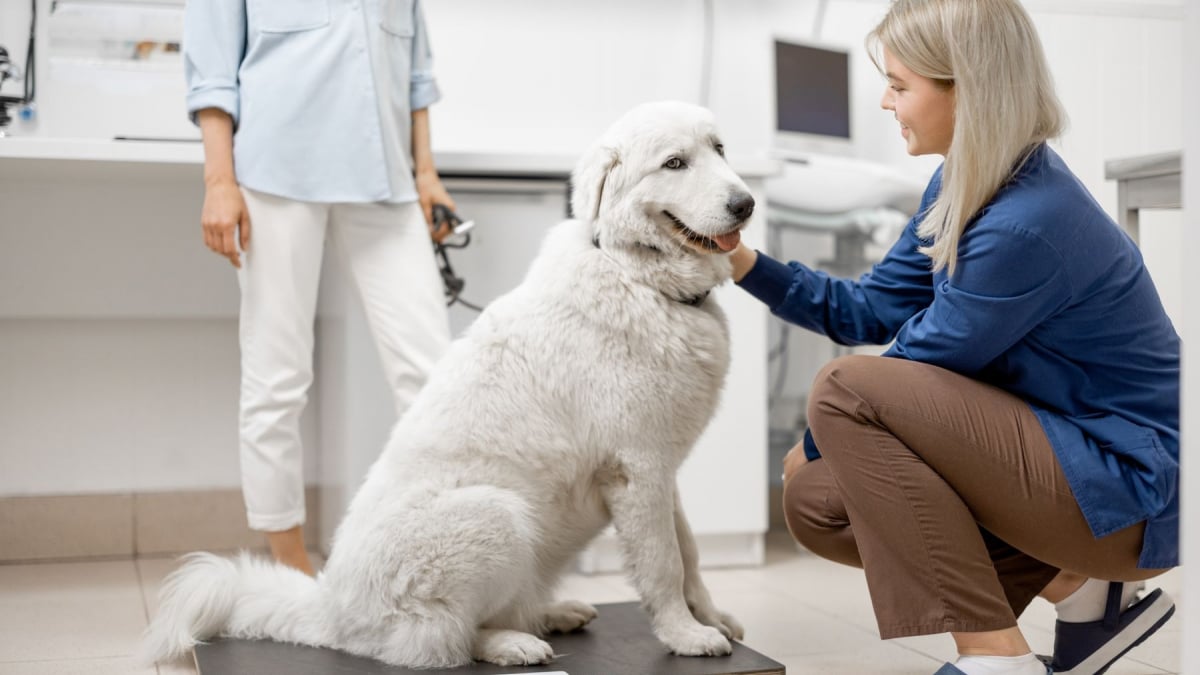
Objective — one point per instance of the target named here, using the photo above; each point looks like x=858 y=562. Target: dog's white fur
x=570 y=403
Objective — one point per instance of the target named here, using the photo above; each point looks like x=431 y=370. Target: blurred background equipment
x=822 y=193
x=10 y=71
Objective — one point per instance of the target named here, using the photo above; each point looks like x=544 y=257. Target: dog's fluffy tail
x=243 y=597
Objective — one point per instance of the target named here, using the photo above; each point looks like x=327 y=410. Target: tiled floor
x=812 y=615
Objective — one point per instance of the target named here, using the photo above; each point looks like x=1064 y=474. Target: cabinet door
x=511 y=218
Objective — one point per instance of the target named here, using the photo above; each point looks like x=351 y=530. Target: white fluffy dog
x=569 y=404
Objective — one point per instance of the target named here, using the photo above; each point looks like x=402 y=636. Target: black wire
x=466 y=304
x=451 y=282
x=30 y=56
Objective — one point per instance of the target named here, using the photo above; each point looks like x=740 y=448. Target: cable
x=706 y=50
x=819 y=19
x=30 y=56
x=451 y=282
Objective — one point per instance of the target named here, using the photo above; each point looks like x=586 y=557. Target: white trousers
x=387 y=250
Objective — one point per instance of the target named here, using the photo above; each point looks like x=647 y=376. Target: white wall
x=1186 y=254
x=1116 y=65
x=524 y=75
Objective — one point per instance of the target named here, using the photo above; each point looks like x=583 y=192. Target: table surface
x=618 y=642
x=189 y=152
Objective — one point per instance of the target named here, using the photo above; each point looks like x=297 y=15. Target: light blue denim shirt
x=321 y=92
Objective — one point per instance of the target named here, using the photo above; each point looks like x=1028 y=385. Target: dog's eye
x=720 y=149
x=674 y=163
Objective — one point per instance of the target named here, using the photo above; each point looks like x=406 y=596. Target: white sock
x=1001 y=665
x=1087 y=603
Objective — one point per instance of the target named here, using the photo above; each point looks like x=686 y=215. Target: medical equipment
x=812 y=98
x=9 y=70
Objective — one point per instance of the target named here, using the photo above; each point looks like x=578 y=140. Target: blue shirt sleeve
x=869 y=310
x=214 y=43
x=1008 y=280
x=424 y=90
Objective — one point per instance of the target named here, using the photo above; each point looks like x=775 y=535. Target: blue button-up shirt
x=1050 y=301
x=321 y=92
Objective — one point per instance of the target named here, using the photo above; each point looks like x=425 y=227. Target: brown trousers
x=947 y=493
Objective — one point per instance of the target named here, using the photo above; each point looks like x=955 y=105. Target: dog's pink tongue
x=728 y=242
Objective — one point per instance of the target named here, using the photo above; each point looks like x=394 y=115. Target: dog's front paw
x=694 y=639
x=512 y=648
x=730 y=627
x=569 y=615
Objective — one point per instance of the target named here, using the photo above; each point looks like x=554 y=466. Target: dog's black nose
x=740 y=205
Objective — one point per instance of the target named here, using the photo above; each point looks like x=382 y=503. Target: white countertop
x=191 y=152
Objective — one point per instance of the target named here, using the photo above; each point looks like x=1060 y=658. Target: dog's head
x=658 y=179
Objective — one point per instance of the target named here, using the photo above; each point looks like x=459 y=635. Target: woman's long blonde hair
x=1005 y=104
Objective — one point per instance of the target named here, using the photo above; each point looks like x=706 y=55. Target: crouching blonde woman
x=1020 y=436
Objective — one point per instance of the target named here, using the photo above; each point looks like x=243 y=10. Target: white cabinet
x=103 y=247
x=723 y=483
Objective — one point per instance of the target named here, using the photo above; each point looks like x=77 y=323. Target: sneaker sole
x=1143 y=627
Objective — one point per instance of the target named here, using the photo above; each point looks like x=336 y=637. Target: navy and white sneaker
x=1090 y=647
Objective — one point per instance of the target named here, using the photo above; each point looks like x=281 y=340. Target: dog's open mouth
x=722 y=242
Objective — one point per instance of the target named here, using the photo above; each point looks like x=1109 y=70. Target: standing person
x=1021 y=434
x=314 y=116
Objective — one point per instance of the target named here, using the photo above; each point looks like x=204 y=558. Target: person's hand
x=430 y=191
x=225 y=219
x=743 y=259
x=793 y=461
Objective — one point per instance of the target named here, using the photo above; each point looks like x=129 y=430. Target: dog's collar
x=694 y=301
x=596 y=243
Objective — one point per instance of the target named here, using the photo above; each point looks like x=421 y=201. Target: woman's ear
x=588 y=181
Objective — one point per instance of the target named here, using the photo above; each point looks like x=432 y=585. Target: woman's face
x=924 y=108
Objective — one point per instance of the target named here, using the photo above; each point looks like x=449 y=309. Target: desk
x=618 y=642
x=1146 y=182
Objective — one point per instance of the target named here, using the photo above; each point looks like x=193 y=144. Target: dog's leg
x=694 y=590
x=643 y=513
x=567 y=615
x=440 y=566
x=511 y=648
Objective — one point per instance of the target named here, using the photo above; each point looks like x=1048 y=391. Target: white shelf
x=189 y=151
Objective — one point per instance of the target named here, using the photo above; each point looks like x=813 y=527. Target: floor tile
x=868 y=657
x=812 y=615
x=182 y=668
x=69 y=611
x=117 y=666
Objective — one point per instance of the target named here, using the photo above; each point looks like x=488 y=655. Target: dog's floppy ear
x=588 y=180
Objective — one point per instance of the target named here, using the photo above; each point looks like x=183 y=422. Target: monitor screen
x=812 y=94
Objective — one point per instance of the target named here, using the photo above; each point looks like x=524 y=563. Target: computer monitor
x=812 y=99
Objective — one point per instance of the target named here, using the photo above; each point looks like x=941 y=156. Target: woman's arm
x=424 y=93
x=869 y=310
x=430 y=190
x=224 y=217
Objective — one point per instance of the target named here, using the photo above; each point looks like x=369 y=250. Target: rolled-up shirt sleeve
x=214 y=43
x=423 y=91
